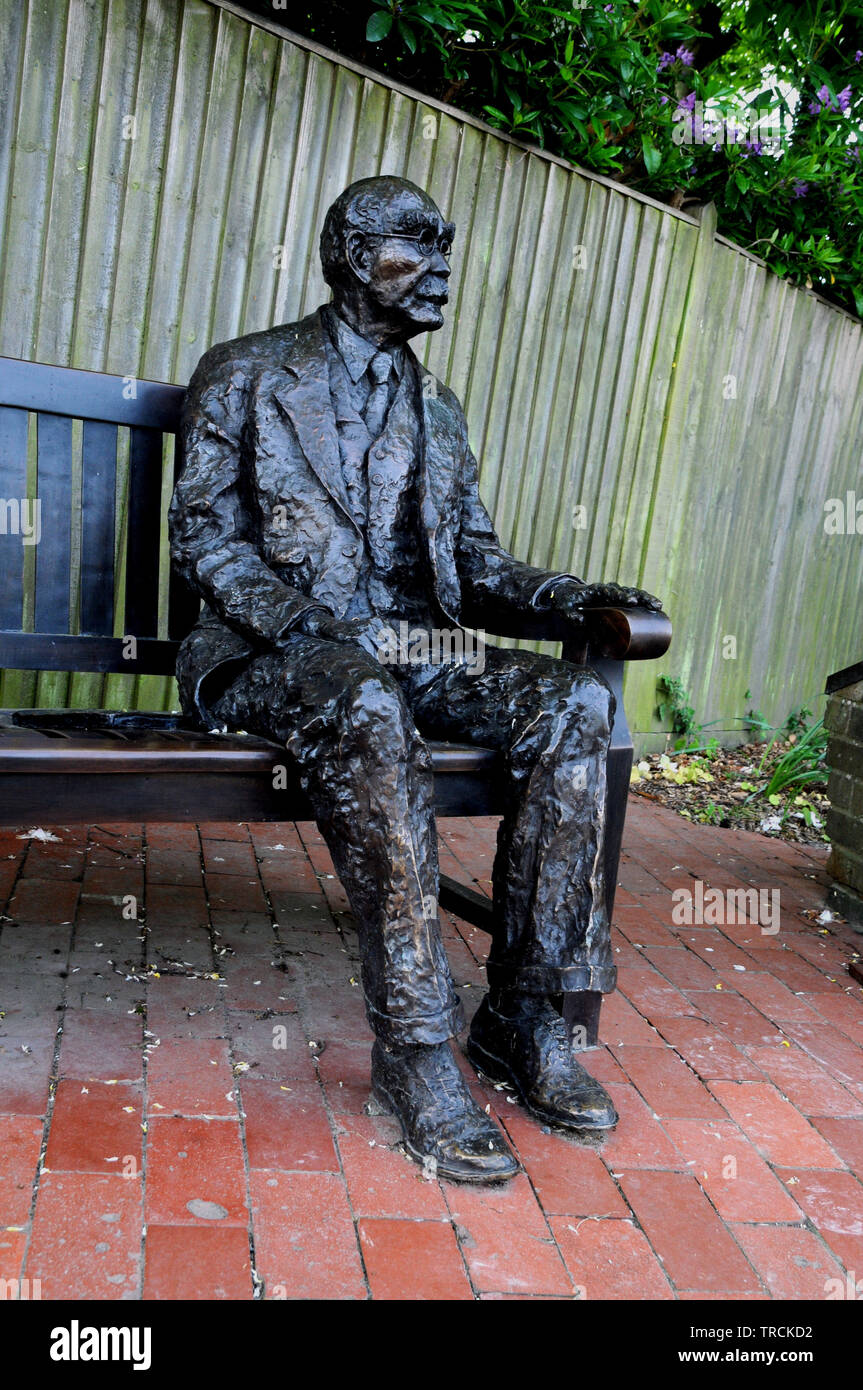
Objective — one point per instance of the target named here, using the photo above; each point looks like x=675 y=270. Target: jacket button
x=377 y=479
x=350 y=550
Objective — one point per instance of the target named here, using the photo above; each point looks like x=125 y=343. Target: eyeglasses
x=427 y=240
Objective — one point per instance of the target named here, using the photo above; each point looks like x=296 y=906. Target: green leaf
x=652 y=156
x=407 y=34
x=379 y=26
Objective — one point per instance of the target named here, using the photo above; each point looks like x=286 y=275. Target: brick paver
x=184 y=1065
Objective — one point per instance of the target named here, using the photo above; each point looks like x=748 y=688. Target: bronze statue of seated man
x=329 y=498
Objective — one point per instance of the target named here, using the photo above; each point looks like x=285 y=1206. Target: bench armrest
x=610 y=634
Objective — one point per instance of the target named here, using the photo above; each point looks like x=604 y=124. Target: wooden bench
x=61 y=429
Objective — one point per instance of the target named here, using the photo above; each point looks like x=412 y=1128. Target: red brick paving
x=305 y=1237
x=668 y=1085
x=775 y=1127
x=20 y=1146
x=792 y=1263
x=413 y=1259
x=610 y=1259
x=203 y=1262
x=735 y=1060
x=695 y=1247
x=738 y=1182
x=95 y=1128
x=379 y=1181
x=834 y=1202
x=195 y=1172
x=845 y=1137
x=86 y=1238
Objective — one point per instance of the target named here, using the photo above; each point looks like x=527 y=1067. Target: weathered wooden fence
x=648 y=403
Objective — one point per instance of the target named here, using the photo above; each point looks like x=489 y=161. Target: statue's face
x=403 y=268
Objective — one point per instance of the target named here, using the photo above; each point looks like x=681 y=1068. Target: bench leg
x=581 y=1014
x=581 y=1009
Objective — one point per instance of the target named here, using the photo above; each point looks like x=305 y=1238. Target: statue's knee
x=592 y=706
x=378 y=713
x=374 y=694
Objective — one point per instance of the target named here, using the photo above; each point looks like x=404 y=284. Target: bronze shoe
x=443 y=1127
x=531 y=1050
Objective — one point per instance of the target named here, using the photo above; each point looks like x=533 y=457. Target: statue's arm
x=498 y=589
x=493 y=582
x=211 y=518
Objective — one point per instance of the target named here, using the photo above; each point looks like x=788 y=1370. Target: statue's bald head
x=384 y=247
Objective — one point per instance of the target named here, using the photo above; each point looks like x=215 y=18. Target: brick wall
x=844 y=721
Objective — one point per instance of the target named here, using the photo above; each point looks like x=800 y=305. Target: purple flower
x=843 y=100
x=823 y=94
x=853 y=154
x=686 y=58
x=858 y=55
x=663 y=101
x=687 y=103
x=814 y=107
x=800 y=188
x=753 y=147
x=665 y=61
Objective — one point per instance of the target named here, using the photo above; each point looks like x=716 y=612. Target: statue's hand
x=318 y=623
x=571 y=598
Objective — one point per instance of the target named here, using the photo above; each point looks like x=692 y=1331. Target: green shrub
x=611 y=87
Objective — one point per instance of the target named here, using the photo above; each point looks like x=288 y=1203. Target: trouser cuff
x=421 y=1028
x=550 y=979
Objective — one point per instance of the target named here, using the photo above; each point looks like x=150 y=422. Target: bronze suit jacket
x=260 y=523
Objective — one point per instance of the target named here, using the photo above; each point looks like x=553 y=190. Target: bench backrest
x=61 y=606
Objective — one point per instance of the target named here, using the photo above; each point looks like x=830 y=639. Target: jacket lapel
x=304 y=395
x=305 y=398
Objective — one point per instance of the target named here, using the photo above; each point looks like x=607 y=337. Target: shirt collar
x=356 y=351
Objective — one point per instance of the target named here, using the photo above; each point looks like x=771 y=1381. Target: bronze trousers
x=357 y=729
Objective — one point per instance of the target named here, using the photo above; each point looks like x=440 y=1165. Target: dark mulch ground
x=725 y=788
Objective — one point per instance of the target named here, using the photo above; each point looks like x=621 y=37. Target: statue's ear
x=359 y=256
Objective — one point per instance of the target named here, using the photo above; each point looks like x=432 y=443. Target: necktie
x=376 y=406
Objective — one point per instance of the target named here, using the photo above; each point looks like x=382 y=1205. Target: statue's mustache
x=433 y=287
